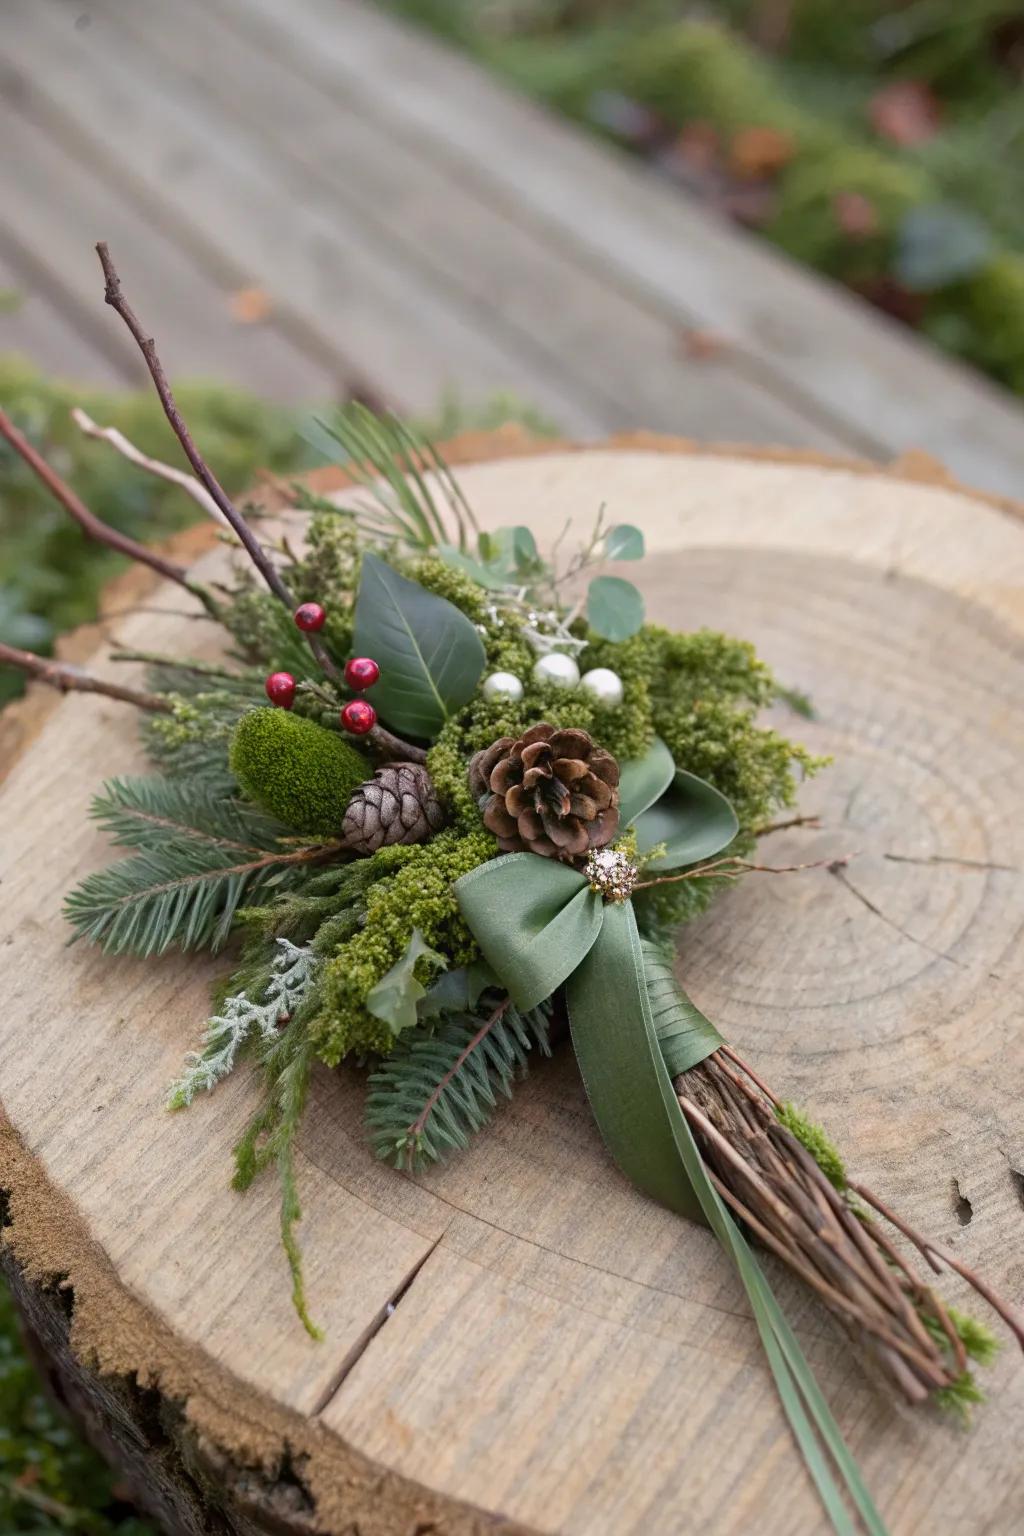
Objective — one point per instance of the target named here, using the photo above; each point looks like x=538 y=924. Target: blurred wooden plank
x=523 y=288
x=210 y=186
x=808 y=340
x=190 y=311
x=34 y=328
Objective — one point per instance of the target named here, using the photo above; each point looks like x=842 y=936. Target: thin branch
x=254 y=549
x=784 y=826
x=117 y=440
x=730 y=868
x=91 y=525
x=115 y=298
x=71 y=679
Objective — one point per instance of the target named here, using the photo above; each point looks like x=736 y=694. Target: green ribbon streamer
x=539 y=926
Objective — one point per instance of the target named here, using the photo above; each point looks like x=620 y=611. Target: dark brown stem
x=91 y=525
x=777 y=1189
x=71 y=679
x=784 y=826
x=115 y=298
x=391 y=748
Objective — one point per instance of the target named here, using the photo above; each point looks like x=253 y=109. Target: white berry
x=604 y=685
x=557 y=669
x=503 y=685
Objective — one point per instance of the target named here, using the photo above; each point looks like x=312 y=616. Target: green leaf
x=482 y=574
x=939 y=244
x=692 y=819
x=430 y=654
x=643 y=780
x=615 y=609
x=395 y=996
x=457 y=991
x=624 y=542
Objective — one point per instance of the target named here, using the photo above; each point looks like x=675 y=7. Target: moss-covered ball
x=298 y=771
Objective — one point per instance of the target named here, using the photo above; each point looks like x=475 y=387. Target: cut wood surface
x=410 y=225
x=520 y=1340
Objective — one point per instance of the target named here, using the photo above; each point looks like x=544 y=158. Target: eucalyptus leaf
x=481 y=574
x=396 y=995
x=429 y=653
x=643 y=780
x=692 y=819
x=615 y=609
x=624 y=542
x=457 y=991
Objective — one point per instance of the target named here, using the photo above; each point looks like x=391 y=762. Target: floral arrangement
x=449 y=799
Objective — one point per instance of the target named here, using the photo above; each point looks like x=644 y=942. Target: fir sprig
x=433 y=1092
x=198 y=858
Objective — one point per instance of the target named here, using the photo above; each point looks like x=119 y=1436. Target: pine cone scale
x=551 y=792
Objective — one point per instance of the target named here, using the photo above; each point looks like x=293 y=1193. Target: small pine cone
x=552 y=792
x=398 y=805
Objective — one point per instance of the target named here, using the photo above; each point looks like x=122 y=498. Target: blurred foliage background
x=879 y=142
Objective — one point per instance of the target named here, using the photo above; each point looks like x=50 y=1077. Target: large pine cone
x=551 y=792
x=398 y=805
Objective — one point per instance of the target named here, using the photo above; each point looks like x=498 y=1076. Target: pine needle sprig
x=431 y=1095
x=152 y=812
x=389 y=461
x=199 y=854
x=246 y=1020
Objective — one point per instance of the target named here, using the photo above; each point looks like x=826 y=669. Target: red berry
x=361 y=672
x=358 y=717
x=280 y=688
x=310 y=617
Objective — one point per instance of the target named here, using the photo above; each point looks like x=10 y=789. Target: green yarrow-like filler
x=298 y=771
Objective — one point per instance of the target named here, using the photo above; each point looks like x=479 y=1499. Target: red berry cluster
x=361 y=672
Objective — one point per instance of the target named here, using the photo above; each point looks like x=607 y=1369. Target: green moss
x=416 y=892
x=299 y=772
x=815 y=1141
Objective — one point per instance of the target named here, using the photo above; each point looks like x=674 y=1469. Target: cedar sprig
x=433 y=1093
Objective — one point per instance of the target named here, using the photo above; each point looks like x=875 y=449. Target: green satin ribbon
x=540 y=926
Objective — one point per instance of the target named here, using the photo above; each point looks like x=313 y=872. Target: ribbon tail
x=630 y=1091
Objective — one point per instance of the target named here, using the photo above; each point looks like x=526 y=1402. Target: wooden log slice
x=520 y=1341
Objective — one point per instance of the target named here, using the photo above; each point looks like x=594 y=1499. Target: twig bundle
x=811 y=1218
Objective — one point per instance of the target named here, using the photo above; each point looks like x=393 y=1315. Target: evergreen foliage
x=197 y=858
x=435 y=1091
x=297 y=770
x=246 y=1019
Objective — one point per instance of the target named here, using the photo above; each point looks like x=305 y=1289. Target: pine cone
x=398 y=805
x=551 y=792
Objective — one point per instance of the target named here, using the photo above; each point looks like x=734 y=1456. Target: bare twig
x=784 y=826
x=94 y=527
x=730 y=868
x=117 y=440
x=257 y=554
x=71 y=679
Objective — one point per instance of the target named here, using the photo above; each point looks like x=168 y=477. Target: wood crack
x=366 y=1338
x=839 y=872
x=938 y=858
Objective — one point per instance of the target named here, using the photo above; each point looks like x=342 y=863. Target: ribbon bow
x=540 y=925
